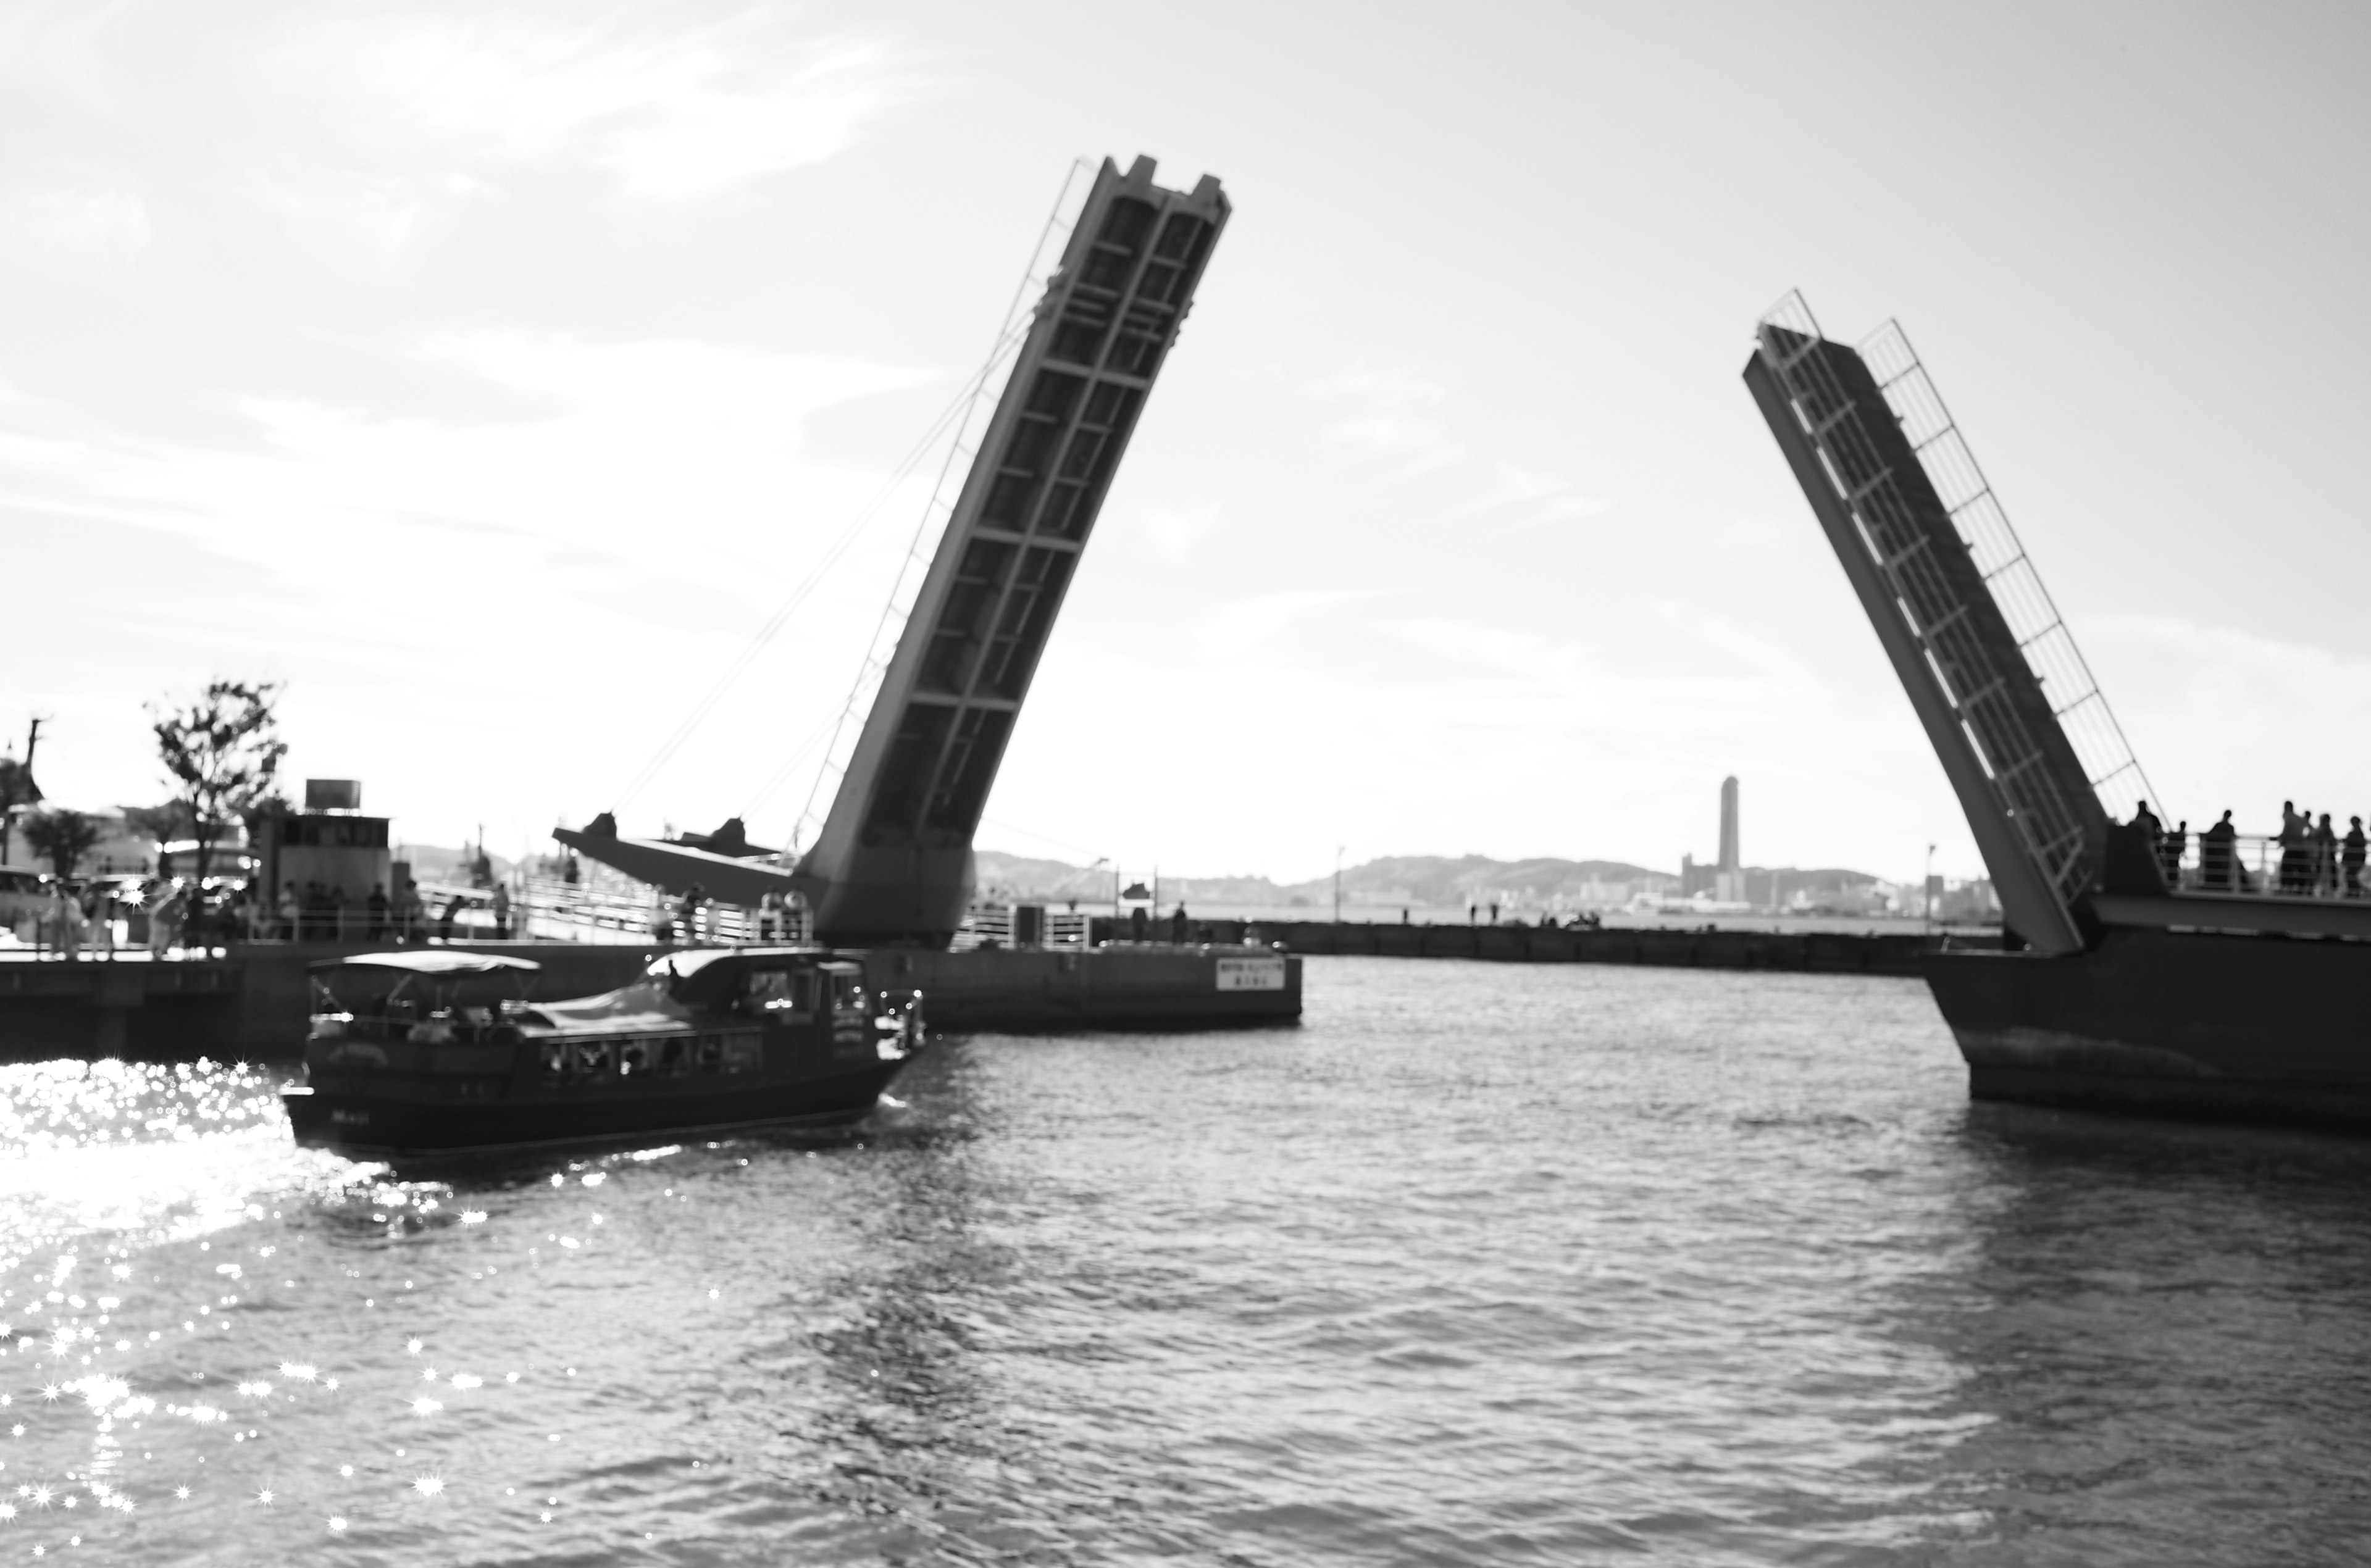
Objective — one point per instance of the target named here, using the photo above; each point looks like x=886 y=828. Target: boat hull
x=376 y=1121
x=2201 y=1024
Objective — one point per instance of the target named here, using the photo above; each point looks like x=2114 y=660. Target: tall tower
x=1727 y=877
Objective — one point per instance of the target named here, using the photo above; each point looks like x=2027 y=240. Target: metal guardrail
x=564 y=911
x=2257 y=864
x=991 y=924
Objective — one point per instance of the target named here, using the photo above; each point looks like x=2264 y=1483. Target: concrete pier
x=1809 y=953
x=252 y=1004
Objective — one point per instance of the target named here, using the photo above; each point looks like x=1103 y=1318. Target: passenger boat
x=412 y=1051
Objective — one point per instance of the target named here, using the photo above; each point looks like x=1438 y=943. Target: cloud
x=662 y=109
x=1522 y=498
x=373 y=230
x=1240 y=627
x=99 y=228
x=1770 y=660
x=54 y=43
x=1390 y=415
x=1177 y=529
x=1751 y=536
x=2224 y=716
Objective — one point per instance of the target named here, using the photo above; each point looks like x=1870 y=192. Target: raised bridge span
x=892 y=860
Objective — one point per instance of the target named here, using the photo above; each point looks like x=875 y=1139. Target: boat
x=2142 y=969
x=415 y=1051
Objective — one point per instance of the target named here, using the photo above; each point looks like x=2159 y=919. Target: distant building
x=120 y=845
x=1729 y=878
x=1724 y=881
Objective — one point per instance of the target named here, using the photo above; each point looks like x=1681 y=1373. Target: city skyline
x=491 y=374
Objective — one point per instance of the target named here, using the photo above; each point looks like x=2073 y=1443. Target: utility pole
x=19 y=780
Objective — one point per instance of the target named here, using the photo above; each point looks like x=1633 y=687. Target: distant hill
x=1441 y=879
x=436 y=863
x=1434 y=879
x=1406 y=879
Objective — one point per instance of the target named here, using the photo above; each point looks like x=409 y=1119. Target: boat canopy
x=428 y=961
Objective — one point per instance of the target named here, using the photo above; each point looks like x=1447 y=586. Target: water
x=1484 y=1264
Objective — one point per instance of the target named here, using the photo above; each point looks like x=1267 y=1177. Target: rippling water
x=1484 y=1264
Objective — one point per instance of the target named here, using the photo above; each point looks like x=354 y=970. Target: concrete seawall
x=1810 y=952
x=253 y=1004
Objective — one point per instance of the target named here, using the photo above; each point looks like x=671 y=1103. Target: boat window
x=847 y=993
x=554 y=1056
x=674 y=1056
x=712 y=1053
x=783 y=991
x=741 y=1053
x=633 y=1056
x=592 y=1058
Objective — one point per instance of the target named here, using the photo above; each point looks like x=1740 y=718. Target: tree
x=62 y=835
x=221 y=752
x=164 y=823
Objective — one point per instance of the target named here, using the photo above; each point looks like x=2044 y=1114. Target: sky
x=490 y=373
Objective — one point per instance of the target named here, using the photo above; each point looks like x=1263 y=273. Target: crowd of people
x=2314 y=860
x=693 y=918
x=181 y=915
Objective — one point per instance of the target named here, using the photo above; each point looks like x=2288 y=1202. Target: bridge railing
x=599 y=912
x=992 y=925
x=2257 y=864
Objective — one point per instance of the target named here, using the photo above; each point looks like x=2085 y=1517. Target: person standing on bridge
x=2170 y=850
x=2350 y=859
x=2216 y=851
x=2293 y=838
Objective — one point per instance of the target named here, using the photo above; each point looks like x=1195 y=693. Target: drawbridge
x=891 y=859
x=2024 y=734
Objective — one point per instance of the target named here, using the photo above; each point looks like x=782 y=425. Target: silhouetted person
x=1493 y=914
x=2217 y=851
x=2294 y=837
x=1140 y=924
x=450 y=919
x=2350 y=858
x=1177 y=926
x=2325 y=859
x=2146 y=820
x=2170 y=851
x=375 y=908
